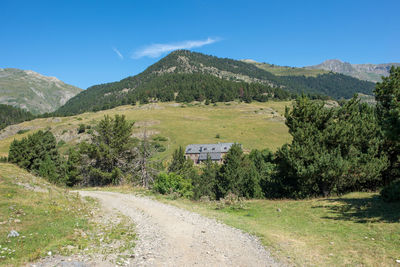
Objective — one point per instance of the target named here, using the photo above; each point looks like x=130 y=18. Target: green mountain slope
x=286 y=70
x=367 y=72
x=32 y=91
x=179 y=74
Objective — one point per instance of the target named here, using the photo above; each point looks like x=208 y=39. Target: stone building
x=200 y=152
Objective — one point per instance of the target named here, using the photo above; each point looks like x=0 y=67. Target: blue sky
x=89 y=42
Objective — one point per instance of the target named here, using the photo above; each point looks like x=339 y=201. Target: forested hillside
x=11 y=115
x=194 y=76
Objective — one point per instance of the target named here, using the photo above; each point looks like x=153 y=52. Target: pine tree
x=178 y=160
x=237 y=175
x=333 y=150
x=387 y=94
x=205 y=183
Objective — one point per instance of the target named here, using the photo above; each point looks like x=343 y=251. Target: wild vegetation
x=45 y=217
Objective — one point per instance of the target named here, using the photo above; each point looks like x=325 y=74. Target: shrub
x=391 y=192
x=160 y=138
x=61 y=143
x=23 y=131
x=172 y=183
x=82 y=128
x=232 y=201
x=217 y=136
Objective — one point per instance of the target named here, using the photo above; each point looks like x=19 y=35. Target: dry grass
x=255 y=125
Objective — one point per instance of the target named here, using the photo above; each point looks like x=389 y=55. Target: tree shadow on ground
x=362 y=210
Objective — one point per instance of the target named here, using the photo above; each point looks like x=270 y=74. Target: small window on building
x=225 y=148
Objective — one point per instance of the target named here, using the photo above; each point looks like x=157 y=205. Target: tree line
x=11 y=115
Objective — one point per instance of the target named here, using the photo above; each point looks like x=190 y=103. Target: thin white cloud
x=156 y=50
x=118 y=53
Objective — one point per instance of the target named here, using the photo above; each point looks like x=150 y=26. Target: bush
x=391 y=192
x=82 y=128
x=232 y=201
x=173 y=183
x=23 y=131
x=61 y=143
x=160 y=138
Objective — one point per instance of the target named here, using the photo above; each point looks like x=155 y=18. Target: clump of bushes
x=231 y=201
x=172 y=183
x=391 y=192
x=23 y=131
x=160 y=138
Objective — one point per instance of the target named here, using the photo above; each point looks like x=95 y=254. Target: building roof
x=208 y=148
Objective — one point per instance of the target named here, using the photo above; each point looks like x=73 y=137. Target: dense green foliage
x=387 y=95
x=264 y=161
x=38 y=153
x=205 y=183
x=238 y=175
x=391 y=192
x=333 y=150
x=110 y=152
x=12 y=115
x=172 y=183
x=195 y=76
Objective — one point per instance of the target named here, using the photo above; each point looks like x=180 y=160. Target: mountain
x=32 y=91
x=286 y=70
x=186 y=76
x=367 y=72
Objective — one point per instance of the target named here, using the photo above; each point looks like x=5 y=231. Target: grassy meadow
x=46 y=218
x=255 y=125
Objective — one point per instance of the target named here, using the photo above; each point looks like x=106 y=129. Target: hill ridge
x=186 y=76
x=33 y=91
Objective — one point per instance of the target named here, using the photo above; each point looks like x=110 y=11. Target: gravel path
x=169 y=236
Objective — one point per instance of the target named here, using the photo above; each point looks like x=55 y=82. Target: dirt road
x=169 y=236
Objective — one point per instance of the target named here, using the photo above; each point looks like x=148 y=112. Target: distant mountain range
x=186 y=76
x=32 y=91
x=367 y=72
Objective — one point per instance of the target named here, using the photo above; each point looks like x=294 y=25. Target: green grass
x=46 y=221
x=254 y=125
